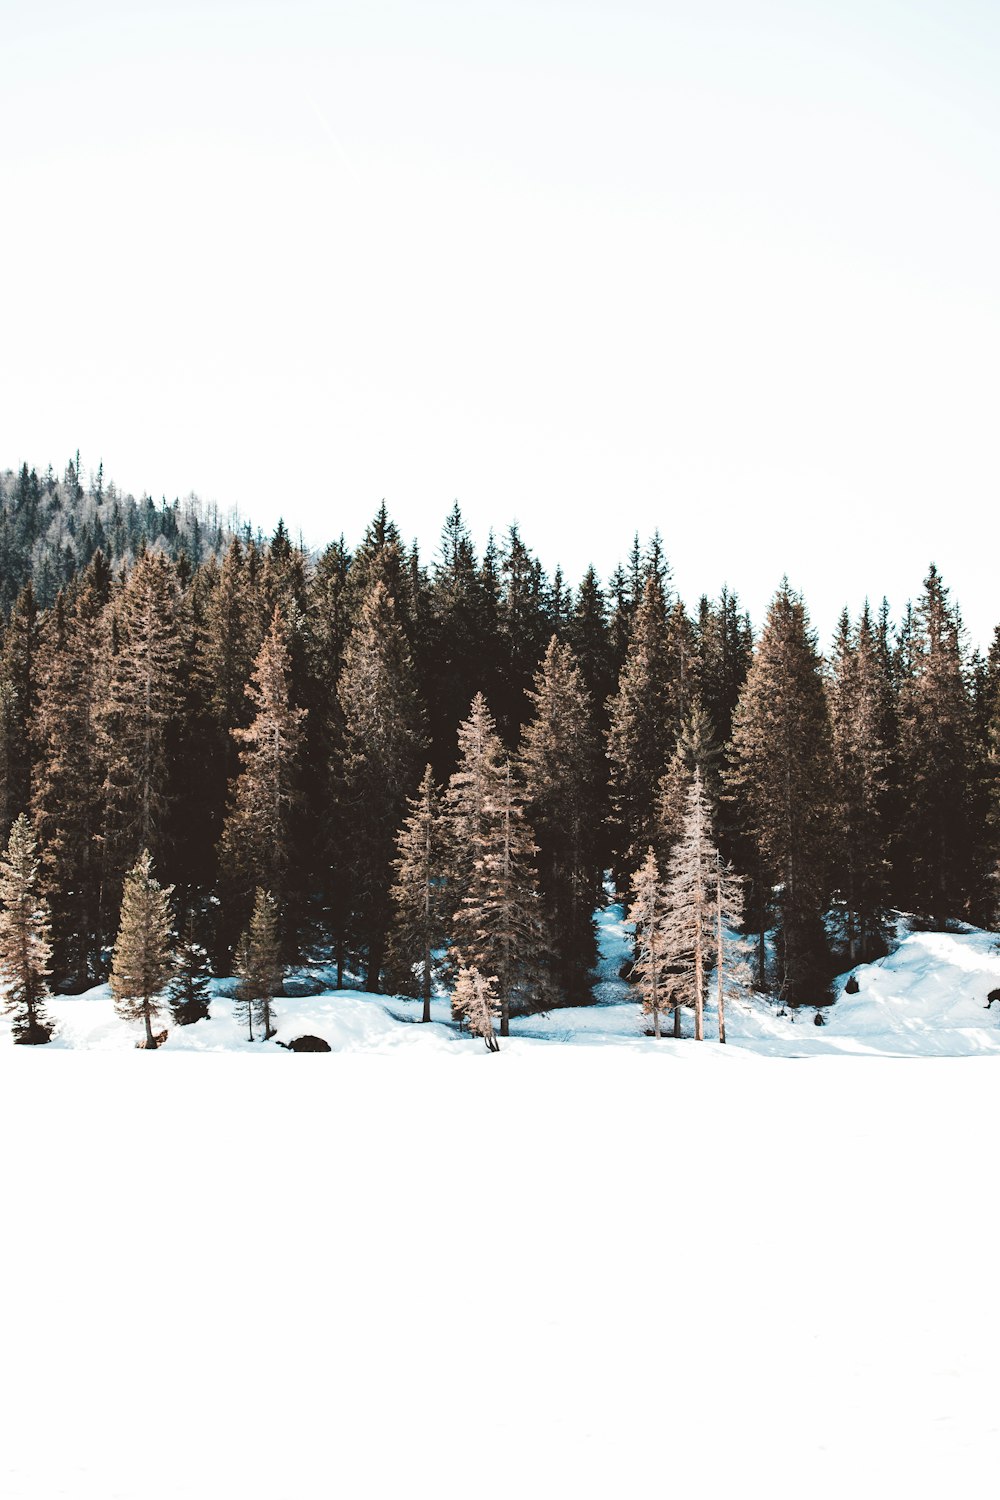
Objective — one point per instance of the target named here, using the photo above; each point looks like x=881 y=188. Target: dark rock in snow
x=852 y=986
x=308 y=1044
x=993 y=995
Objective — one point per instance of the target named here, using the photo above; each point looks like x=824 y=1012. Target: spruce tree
x=474 y=1000
x=936 y=868
x=18 y=686
x=189 y=987
x=418 y=893
x=257 y=837
x=732 y=970
x=498 y=926
x=25 y=950
x=780 y=777
x=458 y=643
x=696 y=753
x=688 y=906
x=259 y=966
x=860 y=698
x=66 y=799
x=645 y=718
x=384 y=737
x=142 y=962
x=652 y=970
x=136 y=714
x=560 y=766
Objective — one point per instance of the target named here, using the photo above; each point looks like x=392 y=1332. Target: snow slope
x=571 y=1269
x=928 y=998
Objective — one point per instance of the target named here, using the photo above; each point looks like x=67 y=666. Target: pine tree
x=732 y=970
x=66 y=799
x=135 y=716
x=384 y=731
x=498 y=927
x=935 y=873
x=142 y=963
x=652 y=970
x=17 y=701
x=25 y=951
x=458 y=644
x=418 y=893
x=688 y=904
x=524 y=627
x=475 y=1001
x=645 y=718
x=258 y=964
x=860 y=697
x=189 y=987
x=560 y=767
x=257 y=836
x=780 y=777
x=698 y=753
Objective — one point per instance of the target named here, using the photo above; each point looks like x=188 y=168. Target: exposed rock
x=308 y=1044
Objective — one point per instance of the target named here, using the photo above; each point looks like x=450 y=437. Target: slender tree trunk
x=149 y=1030
x=427 y=983
x=699 y=957
x=761 y=924
x=677 y=1017
x=719 y=953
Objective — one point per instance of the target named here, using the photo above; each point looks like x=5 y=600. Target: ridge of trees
x=429 y=766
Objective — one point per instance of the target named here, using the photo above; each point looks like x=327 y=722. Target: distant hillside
x=50 y=528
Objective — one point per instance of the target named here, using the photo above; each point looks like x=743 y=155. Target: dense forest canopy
x=427 y=765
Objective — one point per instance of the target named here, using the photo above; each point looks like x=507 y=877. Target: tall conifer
x=25 y=950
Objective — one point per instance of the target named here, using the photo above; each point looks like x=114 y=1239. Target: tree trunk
x=427 y=985
x=677 y=1018
x=656 y=1022
x=374 y=970
x=720 y=950
x=149 y=1030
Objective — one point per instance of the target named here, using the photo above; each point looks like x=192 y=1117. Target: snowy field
x=412 y=1268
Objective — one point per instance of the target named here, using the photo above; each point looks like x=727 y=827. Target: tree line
x=427 y=768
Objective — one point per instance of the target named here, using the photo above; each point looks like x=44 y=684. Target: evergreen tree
x=458 y=643
x=586 y=632
x=189 y=987
x=524 y=628
x=258 y=964
x=780 y=777
x=859 y=697
x=498 y=927
x=560 y=767
x=383 y=740
x=257 y=836
x=645 y=717
x=141 y=963
x=66 y=800
x=25 y=951
x=418 y=893
x=135 y=716
x=652 y=970
x=688 y=907
x=732 y=971
x=935 y=872
x=696 y=753
x=475 y=1001
x=17 y=702
x=725 y=650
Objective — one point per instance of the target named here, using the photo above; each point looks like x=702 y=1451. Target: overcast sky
x=728 y=269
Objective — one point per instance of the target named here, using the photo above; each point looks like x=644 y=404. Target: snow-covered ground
x=577 y=1270
x=927 y=998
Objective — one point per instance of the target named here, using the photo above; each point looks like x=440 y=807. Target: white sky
x=729 y=269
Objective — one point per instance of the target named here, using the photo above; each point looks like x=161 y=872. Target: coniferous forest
x=220 y=752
